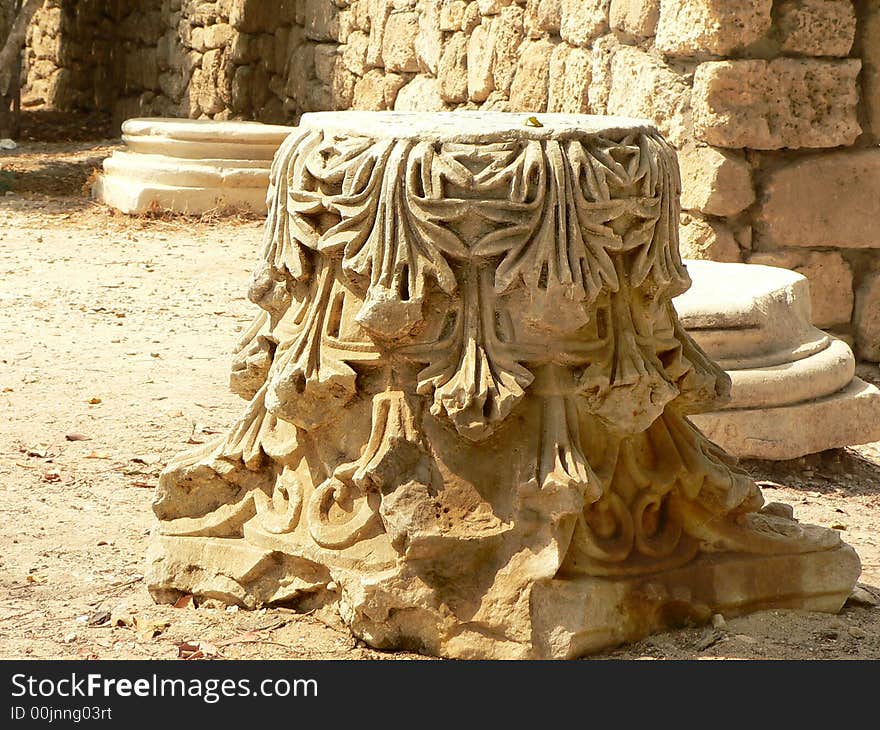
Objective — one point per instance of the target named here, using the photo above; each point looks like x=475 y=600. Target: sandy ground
x=114 y=334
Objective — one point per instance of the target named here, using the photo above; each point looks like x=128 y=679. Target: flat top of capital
x=472 y=126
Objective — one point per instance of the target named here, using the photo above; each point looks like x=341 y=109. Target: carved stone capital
x=468 y=399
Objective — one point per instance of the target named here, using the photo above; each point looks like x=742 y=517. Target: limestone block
x=569 y=80
x=452 y=72
x=347 y=25
x=816 y=27
x=697 y=27
x=429 y=41
x=769 y=105
x=173 y=84
x=379 y=12
x=360 y=12
x=707 y=239
x=830 y=277
x=480 y=61
x=243 y=48
x=321 y=20
x=399 y=42
x=642 y=86
x=715 y=181
x=420 y=94
x=377 y=90
x=492 y=7
x=45 y=46
x=635 y=17
x=326 y=57
x=241 y=82
x=218 y=35
x=829 y=200
x=452 y=15
x=582 y=21
x=540 y=500
x=530 y=85
x=867 y=318
x=507 y=34
x=471 y=18
x=285 y=40
x=542 y=17
x=354 y=53
x=196 y=39
x=869 y=35
x=214 y=84
x=603 y=52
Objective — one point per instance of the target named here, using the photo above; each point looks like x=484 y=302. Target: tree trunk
x=15 y=41
x=10 y=68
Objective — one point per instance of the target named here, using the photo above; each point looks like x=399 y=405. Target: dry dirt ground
x=114 y=334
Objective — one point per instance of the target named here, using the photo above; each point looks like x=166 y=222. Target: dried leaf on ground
x=197 y=650
x=185 y=601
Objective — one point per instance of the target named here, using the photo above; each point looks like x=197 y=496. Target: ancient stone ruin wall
x=773 y=106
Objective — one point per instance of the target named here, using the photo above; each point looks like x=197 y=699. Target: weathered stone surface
x=708 y=240
x=492 y=7
x=422 y=94
x=830 y=277
x=507 y=32
x=569 y=85
x=642 y=86
x=867 y=317
x=321 y=21
x=533 y=491
x=698 y=27
x=379 y=13
x=715 y=181
x=452 y=72
x=218 y=35
x=635 y=17
x=816 y=27
x=399 y=42
x=869 y=33
x=530 y=85
x=542 y=17
x=452 y=15
x=250 y=17
x=829 y=200
x=354 y=53
x=480 y=57
x=582 y=21
x=471 y=17
x=429 y=41
x=377 y=91
x=603 y=52
x=773 y=104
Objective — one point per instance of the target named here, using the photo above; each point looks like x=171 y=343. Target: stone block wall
x=774 y=105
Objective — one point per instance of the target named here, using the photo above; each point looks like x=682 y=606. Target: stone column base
x=567 y=617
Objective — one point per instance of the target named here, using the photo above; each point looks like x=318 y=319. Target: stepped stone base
x=190 y=166
x=793 y=387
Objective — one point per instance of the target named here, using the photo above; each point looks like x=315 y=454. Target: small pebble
x=718 y=621
x=856 y=632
